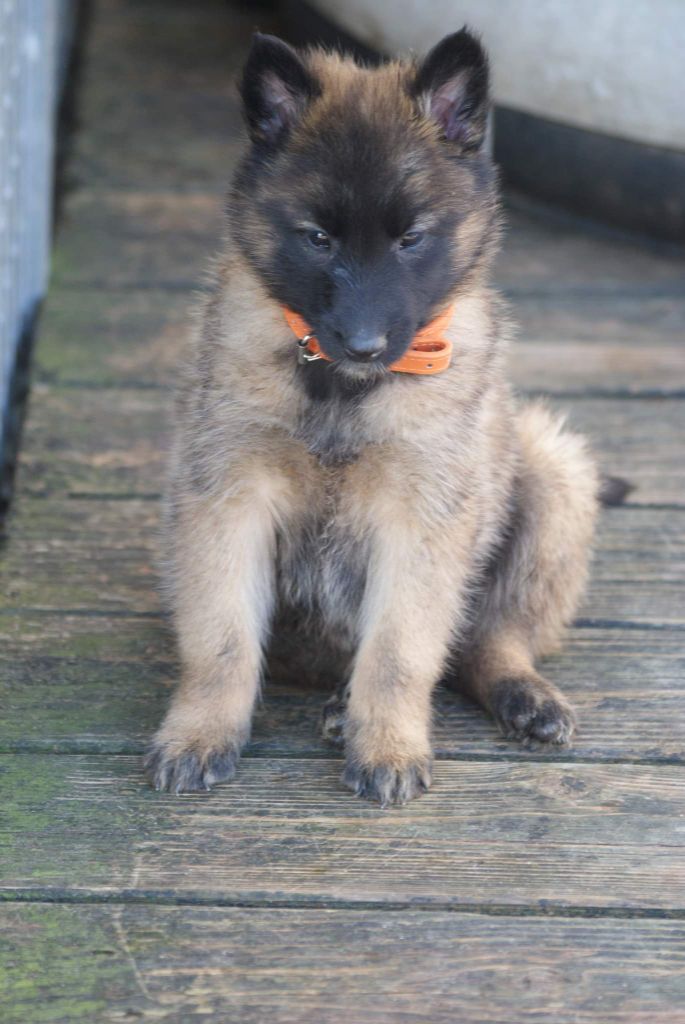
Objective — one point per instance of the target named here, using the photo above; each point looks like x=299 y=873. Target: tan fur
x=423 y=510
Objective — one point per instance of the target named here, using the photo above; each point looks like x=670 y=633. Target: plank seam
x=650 y=506
x=128 y=613
x=592 y=393
x=154 y=897
x=566 y=757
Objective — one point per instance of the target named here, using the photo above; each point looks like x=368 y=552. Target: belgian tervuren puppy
x=404 y=522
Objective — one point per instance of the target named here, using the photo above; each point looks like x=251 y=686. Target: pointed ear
x=451 y=86
x=275 y=88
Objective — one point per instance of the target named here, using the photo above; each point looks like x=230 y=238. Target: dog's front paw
x=189 y=771
x=532 y=710
x=388 y=785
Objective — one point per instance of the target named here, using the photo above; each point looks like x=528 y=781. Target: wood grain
x=133 y=239
x=631 y=321
x=100 y=683
x=608 y=836
x=113 y=337
x=182 y=964
x=548 y=254
x=639 y=440
x=94 y=441
x=188 y=52
x=559 y=366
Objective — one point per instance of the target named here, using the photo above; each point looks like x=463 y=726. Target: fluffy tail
x=613 y=490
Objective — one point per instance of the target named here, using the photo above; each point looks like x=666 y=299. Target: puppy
x=392 y=517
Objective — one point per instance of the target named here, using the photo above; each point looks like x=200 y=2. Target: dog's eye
x=319 y=239
x=411 y=239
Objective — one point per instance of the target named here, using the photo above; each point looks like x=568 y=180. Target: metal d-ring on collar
x=303 y=356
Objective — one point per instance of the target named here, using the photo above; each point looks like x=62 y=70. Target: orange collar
x=429 y=352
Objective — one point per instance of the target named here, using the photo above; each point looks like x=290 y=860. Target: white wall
x=32 y=32
x=616 y=66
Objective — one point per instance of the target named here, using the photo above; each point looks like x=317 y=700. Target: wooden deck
x=546 y=887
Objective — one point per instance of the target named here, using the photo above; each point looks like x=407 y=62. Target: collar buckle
x=304 y=356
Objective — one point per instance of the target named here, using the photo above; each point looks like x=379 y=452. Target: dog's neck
x=330 y=424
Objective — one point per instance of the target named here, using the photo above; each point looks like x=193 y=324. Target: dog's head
x=367 y=196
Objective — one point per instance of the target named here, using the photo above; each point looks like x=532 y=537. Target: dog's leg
x=410 y=608
x=222 y=586
x=536 y=584
x=501 y=676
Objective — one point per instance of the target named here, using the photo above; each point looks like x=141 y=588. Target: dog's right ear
x=451 y=86
x=275 y=88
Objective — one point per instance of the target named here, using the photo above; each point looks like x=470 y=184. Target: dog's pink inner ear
x=447 y=105
x=281 y=106
x=451 y=87
x=276 y=87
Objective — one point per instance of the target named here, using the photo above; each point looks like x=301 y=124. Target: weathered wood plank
x=184 y=964
x=135 y=338
x=139 y=136
x=559 y=367
x=190 y=149
x=548 y=253
x=564 y=835
x=131 y=337
x=113 y=441
x=639 y=440
x=100 y=684
x=135 y=239
x=94 y=441
x=596 y=319
x=80 y=554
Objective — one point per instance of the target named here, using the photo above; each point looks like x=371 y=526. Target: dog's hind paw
x=531 y=710
x=333 y=720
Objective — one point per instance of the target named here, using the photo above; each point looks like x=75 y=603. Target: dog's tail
x=613 y=490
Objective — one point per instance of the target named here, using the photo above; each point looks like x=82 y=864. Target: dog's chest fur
x=323 y=557
x=322 y=567
x=331 y=424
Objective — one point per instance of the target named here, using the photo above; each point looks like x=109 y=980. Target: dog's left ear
x=276 y=87
x=451 y=85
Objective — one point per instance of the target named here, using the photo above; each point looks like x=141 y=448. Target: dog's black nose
x=363 y=347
